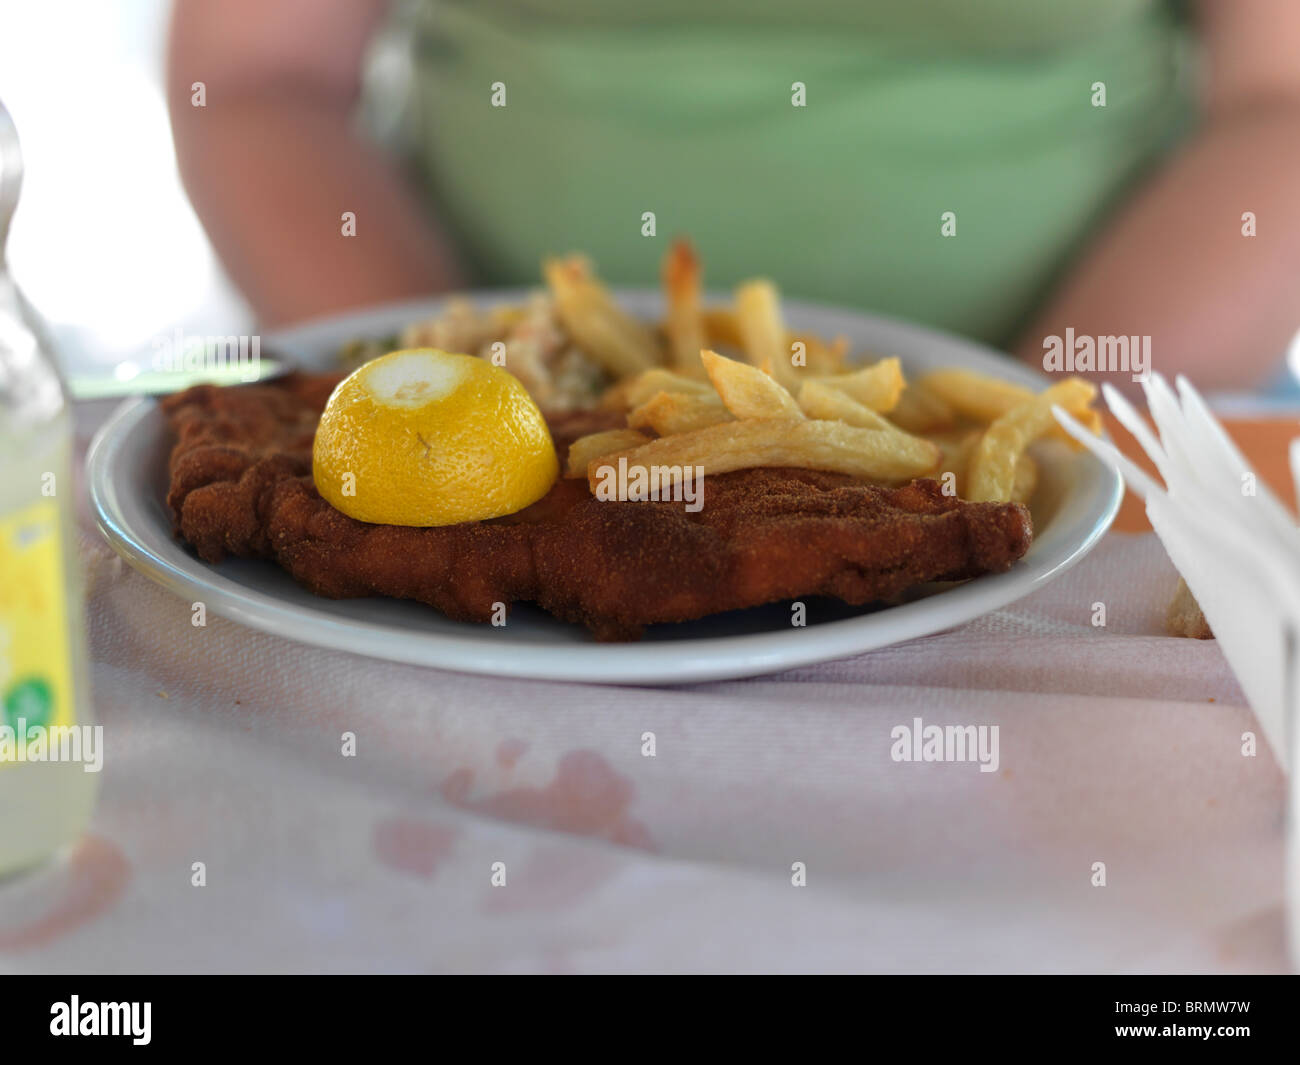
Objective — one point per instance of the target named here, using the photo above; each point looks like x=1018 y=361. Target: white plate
x=127 y=471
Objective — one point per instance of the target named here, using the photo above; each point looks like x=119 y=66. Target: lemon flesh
x=423 y=437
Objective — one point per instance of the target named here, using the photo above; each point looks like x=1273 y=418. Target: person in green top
x=1003 y=169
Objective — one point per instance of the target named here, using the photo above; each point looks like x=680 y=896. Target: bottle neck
x=31 y=393
x=11 y=176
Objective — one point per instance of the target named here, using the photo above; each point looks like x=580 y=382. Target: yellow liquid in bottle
x=46 y=794
x=47 y=737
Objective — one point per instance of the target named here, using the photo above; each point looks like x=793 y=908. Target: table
x=1118 y=745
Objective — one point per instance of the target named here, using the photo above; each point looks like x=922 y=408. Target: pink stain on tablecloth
x=509 y=752
x=93 y=880
x=586 y=798
x=1258 y=939
x=411 y=845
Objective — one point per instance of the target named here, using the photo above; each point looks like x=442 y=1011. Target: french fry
x=747 y=391
x=652 y=382
x=955 y=447
x=758 y=313
x=985 y=399
x=668 y=413
x=973 y=395
x=683 y=324
x=820 y=357
x=620 y=343
x=615 y=396
x=820 y=400
x=918 y=411
x=1089 y=418
x=877 y=386
x=758 y=316
x=631 y=392
x=871 y=454
x=992 y=472
x=587 y=449
x=1026 y=479
x=722 y=329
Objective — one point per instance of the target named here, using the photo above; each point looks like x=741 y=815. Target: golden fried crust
x=1184 y=616
x=241 y=485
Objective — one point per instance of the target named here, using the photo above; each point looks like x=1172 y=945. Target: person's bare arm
x=1174 y=264
x=273 y=160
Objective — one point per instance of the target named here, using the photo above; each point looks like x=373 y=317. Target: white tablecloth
x=223 y=746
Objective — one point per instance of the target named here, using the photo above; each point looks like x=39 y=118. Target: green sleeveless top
x=684 y=108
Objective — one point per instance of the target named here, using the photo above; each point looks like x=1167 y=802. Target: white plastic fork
x=1240 y=556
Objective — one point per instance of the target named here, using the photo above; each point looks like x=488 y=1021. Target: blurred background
x=104 y=243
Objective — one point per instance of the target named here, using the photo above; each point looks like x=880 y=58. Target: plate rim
x=686 y=661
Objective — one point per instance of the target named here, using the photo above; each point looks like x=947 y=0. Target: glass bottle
x=50 y=751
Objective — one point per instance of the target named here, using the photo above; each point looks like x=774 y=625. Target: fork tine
x=1137 y=480
x=1205 y=427
x=1218 y=451
x=1128 y=417
x=1168 y=415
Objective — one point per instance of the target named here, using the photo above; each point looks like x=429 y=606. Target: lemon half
x=423 y=437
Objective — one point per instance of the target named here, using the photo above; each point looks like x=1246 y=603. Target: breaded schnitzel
x=241 y=485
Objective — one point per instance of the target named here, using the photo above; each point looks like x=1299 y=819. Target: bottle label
x=36 y=689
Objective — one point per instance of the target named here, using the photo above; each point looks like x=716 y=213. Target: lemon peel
x=423 y=437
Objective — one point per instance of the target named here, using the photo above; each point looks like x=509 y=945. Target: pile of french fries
x=625 y=347
x=789 y=400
